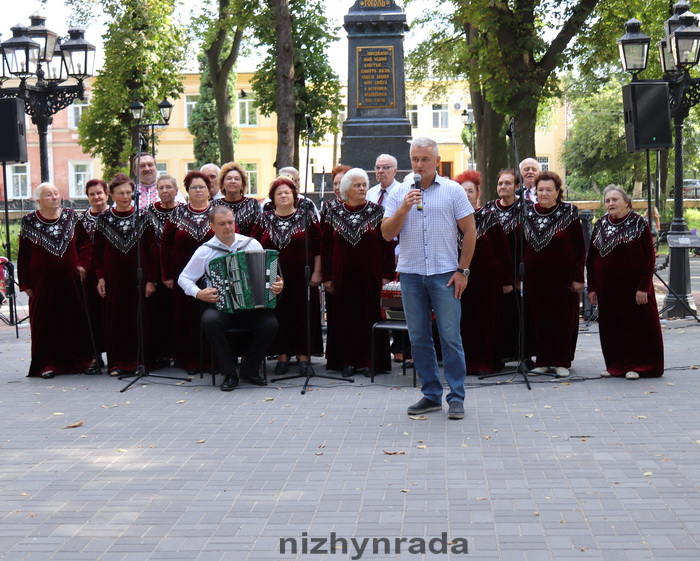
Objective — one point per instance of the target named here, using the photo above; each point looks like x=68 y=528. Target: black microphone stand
x=310 y=373
x=522 y=367
x=141 y=371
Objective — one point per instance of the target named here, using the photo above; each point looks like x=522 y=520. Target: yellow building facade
x=440 y=119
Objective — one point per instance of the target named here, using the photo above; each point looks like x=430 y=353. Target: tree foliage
x=595 y=150
x=316 y=87
x=202 y=122
x=509 y=51
x=143 y=55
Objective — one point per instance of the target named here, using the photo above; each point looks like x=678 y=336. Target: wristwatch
x=465 y=272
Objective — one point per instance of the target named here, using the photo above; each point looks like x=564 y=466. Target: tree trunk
x=491 y=155
x=525 y=124
x=224 y=121
x=284 y=46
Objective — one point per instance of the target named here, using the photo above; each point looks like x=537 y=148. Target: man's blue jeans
x=421 y=296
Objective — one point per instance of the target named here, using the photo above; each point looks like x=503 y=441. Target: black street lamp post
x=36 y=51
x=137 y=109
x=679 y=52
x=468 y=121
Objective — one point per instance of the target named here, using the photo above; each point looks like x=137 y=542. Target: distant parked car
x=691 y=188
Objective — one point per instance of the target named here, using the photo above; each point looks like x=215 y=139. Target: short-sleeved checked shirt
x=429 y=237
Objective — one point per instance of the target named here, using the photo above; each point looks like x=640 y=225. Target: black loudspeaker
x=13 y=138
x=647 y=116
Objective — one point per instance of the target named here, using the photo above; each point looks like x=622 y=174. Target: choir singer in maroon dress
x=96 y=191
x=491 y=278
x=50 y=266
x=507 y=212
x=555 y=255
x=115 y=255
x=285 y=229
x=620 y=270
x=233 y=183
x=356 y=263
x=187 y=228
x=162 y=334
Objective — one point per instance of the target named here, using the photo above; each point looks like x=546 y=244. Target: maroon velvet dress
x=356 y=257
x=185 y=231
x=88 y=222
x=162 y=334
x=49 y=255
x=620 y=262
x=245 y=211
x=554 y=258
x=286 y=235
x=509 y=318
x=115 y=261
x=482 y=301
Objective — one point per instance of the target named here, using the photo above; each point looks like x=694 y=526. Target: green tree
x=595 y=151
x=143 y=56
x=501 y=48
x=202 y=122
x=316 y=86
x=225 y=26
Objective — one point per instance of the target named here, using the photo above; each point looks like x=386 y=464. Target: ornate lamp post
x=683 y=40
x=166 y=110
x=468 y=121
x=36 y=51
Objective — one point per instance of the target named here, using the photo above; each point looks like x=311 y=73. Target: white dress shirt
x=198 y=265
x=375 y=192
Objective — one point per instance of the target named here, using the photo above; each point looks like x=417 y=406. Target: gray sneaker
x=456 y=410
x=425 y=405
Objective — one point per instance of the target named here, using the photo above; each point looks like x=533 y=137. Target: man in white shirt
x=529 y=168
x=212 y=171
x=262 y=323
x=433 y=274
x=385 y=168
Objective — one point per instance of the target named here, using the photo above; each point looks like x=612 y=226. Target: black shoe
x=116 y=372
x=230 y=382
x=347 y=371
x=192 y=371
x=425 y=405
x=47 y=375
x=529 y=363
x=282 y=367
x=456 y=410
x=256 y=380
x=93 y=369
x=304 y=366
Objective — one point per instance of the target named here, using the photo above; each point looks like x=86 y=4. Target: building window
x=544 y=163
x=247 y=112
x=79 y=173
x=18 y=179
x=162 y=168
x=190 y=166
x=252 y=170
x=190 y=102
x=441 y=116
x=75 y=112
x=412 y=115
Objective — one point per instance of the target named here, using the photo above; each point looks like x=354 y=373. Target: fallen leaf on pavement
x=75 y=425
x=399 y=453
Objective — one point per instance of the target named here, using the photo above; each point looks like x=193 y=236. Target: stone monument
x=376 y=120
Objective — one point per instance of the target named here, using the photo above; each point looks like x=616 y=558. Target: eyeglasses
x=197 y=187
x=383 y=168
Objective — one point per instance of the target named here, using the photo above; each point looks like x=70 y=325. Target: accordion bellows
x=243 y=280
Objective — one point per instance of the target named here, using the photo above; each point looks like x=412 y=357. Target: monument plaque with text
x=375 y=77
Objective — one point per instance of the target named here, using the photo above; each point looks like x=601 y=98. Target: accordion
x=243 y=280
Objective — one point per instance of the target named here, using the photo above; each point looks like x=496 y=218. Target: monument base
x=365 y=139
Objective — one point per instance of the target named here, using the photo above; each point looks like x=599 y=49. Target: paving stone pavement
x=579 y=469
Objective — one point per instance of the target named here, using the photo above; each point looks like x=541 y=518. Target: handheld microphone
x=416 y=184
x=309 y=126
